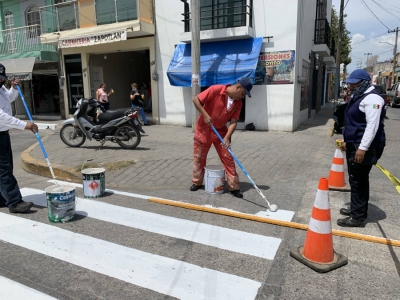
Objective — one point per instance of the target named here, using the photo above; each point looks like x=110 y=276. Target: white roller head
x=273 y=207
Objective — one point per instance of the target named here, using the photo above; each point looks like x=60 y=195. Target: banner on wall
x=275 y=67
x=93 y=40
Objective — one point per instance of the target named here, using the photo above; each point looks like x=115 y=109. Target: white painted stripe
x=12 y=290
x=338 y=154
x=164 y=275
x=323 y=227
x=46 y=126
x=215 y=236
x=280 y=214
x=337 y=168
x=322 y=200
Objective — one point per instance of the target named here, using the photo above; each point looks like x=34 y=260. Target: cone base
x=337 y=262
x=346 y=188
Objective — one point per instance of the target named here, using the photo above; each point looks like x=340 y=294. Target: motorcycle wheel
x=131 y=136
x=337 y=128
x=72 y=136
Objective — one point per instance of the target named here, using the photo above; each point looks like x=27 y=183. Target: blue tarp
x=220 y=62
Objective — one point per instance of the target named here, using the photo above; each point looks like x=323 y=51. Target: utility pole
x=196 y=80
x=394 y=52
x=366 y=64
x=338 y=52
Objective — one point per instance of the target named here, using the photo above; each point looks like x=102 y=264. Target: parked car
x=394 y=95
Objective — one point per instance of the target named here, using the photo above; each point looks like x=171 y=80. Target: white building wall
x=272 y=107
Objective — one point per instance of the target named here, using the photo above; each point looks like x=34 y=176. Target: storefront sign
x=275 y=67
x=93 y=40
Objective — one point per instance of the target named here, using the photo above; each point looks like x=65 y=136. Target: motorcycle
x=91 y=121
x=338 y=117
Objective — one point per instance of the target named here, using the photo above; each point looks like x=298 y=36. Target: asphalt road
x=123 y=247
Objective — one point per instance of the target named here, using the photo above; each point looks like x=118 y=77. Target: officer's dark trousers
x=9 y=190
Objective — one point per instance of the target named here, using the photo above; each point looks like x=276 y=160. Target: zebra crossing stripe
x=215 y=236
x=12 y=290
x=164 y=275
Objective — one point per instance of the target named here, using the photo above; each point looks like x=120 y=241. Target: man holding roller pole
x=10 y=194
x=218 y=105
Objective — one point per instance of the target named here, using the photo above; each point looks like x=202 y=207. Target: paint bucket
x=94 y=182
x=60 y=203
x=214 y=178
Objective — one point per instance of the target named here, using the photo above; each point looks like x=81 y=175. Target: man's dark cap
x=3 y=72
x=247 y=85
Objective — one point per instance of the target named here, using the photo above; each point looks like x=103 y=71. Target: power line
x=384 y=8
x=374 y=14
x=390 y=4
x=370 y=38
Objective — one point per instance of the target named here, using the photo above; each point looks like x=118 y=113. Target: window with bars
x=33 y=18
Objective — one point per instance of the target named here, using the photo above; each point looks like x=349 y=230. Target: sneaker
x=237 y=193
x=21 y=207
x=194 y=187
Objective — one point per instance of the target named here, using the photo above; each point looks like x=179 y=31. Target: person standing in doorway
x=137 y=101
x=102 y=96
x=218 y=105
x=364 y=141
x=10 y=194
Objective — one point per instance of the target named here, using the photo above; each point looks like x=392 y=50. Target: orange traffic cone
x=336 y=175
x=317 y=252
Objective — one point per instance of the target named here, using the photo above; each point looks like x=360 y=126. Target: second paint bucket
x=94 y=182
x=60 y=203
x=214 y=179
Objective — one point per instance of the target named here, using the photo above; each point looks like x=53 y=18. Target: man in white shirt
x=10 y=194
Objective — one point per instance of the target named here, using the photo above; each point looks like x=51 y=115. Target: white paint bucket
x=94 y=182
x=60 y=203
x=214 y=179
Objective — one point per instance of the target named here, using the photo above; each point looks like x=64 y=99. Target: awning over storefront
x=19 y=67
x=220 y=62
x=385 y=74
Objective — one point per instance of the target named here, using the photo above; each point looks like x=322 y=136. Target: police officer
x=364 y=141
x=10 y=194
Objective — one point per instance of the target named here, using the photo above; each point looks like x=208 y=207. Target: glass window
x=216 y=14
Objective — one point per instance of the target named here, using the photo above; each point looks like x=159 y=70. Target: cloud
x=358 y=37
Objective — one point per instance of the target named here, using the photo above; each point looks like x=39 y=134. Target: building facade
x=291 y=74
x=23 y=55
x=283 y=46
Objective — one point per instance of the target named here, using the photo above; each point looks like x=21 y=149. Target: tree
x=346 y=41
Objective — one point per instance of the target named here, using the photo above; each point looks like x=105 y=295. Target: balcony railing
x=73 y=14
x=22 y=39
x=322 y=34
x=221 y=15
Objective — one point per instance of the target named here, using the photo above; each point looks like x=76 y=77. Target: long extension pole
x=36 y=133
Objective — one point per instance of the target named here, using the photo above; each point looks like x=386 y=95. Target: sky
x=369 y=34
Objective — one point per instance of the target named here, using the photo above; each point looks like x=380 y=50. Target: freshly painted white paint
x=164 y=275
x=281 y=214
x=215 y=236
x=11 y=290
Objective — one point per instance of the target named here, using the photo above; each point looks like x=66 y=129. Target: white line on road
x=215 y=236
x=281 y=214
x=12 y=290
x=165 y=275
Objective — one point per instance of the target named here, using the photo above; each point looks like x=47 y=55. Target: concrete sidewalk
x=163 y=159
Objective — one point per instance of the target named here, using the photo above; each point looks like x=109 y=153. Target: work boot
x=237 y=193
x=350 y=222
x=22 y=207
x=346 y=212
x=194 y=187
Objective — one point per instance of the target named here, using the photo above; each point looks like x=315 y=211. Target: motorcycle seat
x=110 y=115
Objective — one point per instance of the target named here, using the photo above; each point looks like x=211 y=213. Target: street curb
x=38 y=167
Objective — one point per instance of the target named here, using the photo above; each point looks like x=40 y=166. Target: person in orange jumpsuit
x=218 y=105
